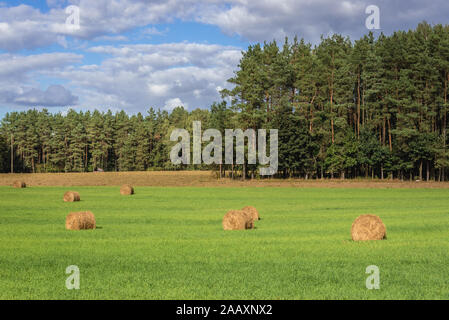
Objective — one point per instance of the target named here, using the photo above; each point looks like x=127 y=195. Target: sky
x=134 y=54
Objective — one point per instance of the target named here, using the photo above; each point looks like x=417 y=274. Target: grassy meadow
x=168 y=243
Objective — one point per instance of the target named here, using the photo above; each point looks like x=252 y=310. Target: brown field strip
x=195 y=179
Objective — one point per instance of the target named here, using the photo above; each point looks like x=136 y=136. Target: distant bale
x=80 y=221
x=252 y=212
x=237 y=220
x=19 y=184
x=126 y=190
x=71 y=196
x=368 y=227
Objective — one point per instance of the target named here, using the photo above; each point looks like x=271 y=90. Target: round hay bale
x=80 y=221
x=71 y=196
x=237 y=220
x=19 y=184
x=368 y=227
x=126 y=190
x=252 y=212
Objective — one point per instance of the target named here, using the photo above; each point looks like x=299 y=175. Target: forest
x=371 y=108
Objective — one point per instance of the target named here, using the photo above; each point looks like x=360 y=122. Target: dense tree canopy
x=369 y=108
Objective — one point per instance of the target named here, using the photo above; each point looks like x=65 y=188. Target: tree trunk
x=332 y=98
x=420 y=171
x=358 y=105
x=311 y=112
x=12 y=153
x=85 y=158
x=444 y=120
x=389 y=135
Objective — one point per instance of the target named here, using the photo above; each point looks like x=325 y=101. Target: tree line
x=375 y=107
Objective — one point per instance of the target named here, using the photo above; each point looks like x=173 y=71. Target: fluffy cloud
x=135 y=77
x=170 y=104
x=267 y=20
x=18 y=85
x=26 y=27
x=18 y=67
x=54 y=96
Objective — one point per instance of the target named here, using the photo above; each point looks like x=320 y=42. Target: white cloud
x=158 y=89
x=18 y=66
x=153 y=31
x=26 y=27
x=268 y=20
x=111 y=38
x=135 y=77
x=54 y=96
x=132 y=77
x=18 y=85
x=170 y=104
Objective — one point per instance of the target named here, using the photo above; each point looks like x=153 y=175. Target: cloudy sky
x=133 y=54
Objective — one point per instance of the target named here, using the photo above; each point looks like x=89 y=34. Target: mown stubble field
x=196 y=179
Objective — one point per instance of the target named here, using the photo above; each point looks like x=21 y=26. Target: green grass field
x=168 y=243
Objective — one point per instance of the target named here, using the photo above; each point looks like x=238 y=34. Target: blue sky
x=133 y=54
